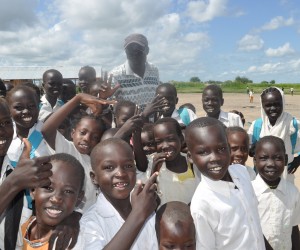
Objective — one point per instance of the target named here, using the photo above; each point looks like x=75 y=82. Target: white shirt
x=139 y=90
x=46 y=108
x=62 y=145
x=279 y=211
x=101 y=223
x=230 y=119
x=25 y=215
x=251 y=173
x=227 y=218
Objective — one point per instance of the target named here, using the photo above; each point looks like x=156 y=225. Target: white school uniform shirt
x=46 y=108
x=25 y=215
x=62 y=145
x=279 y=211
x=226 y=217
x=101 y=223
x=230 y=119
x=16 y=147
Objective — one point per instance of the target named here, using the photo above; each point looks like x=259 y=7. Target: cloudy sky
x=211 y=39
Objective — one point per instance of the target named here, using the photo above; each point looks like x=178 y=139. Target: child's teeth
x=27 y=119
x=216 y=168
x=2 y=142
x=54 y=211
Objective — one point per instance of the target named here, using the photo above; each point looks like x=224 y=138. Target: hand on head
x=157 y=105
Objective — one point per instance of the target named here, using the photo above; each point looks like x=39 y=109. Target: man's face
x=136 y=54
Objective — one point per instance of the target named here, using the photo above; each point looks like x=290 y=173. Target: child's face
x=180 y=236
x=57 y=201
x=148 y=142
x=24 y=108
x=167 y=140
x=272 y=105
x=211 y=102
x=269 y=161
x=53 y=84
x=68 y=92
x=209 y=151
x=6 y=130
x=86 y=135
x=115 y=172
x=85 y=78
x=239 y=145
x=171 y=99
x=124 y=114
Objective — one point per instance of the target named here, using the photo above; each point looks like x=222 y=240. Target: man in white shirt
x=137 y=77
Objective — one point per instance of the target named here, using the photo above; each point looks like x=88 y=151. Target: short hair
x=90 y=70
x=69 y=159
x=172 y=121
x=271 y=139
x=215 y=88
x=68 y=81
x=34 y=87
x=95 y=152
x=75 y=119
x=168 y=86
x=24 y=88
x=148 y=127
x=121 y=104
x=203 y=122
x=188 y=106
x=174 y=212
x=233 y=129
x=54 y=71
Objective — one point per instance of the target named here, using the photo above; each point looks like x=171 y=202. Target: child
x=278 y=199
x=183 y=116
x=174 y=226
x=238 y=141
x=86 y=133
x=176 y=180
x=147 y=139
x=86 y=75
x=54 y=202
x=118 y=220
x=275 y=121
x=68 y=90
x=212 y=101
x=52 y=84
x=23 y=103
x=224 y=206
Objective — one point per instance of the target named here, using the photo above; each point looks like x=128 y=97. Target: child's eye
x=222 y=149
x=108 y=167
x=19 y=108
x=129 y=166
x=49 y=188
x=202 y=152
x=82 y=132
x=68 y=191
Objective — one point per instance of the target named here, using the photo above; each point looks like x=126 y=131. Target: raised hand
x=105 y=89
x=157 y=105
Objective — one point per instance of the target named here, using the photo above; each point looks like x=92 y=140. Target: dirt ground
x=251 y=111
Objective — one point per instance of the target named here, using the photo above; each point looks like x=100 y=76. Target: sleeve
x=296 y=213
x=250 y=133
x=205 y=237
x=62 y=145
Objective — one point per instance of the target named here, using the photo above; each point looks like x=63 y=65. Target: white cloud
x=250 y=43
x=203 y=11
x=283 y=50
x=278 y=22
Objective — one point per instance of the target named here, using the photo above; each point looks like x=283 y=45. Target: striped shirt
x=134 y=88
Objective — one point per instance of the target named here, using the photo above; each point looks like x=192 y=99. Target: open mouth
x=120 y=185
x=53 y=212
x=2 y=142
x=215 y=170
x=238 y=161
x=27 y=119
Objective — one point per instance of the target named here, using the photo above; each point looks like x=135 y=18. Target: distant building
x=34 y=74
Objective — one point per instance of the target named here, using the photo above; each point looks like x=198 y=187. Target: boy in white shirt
x=224 y=206
x=278 y=199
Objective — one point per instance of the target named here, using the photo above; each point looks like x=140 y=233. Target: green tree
x=195 y=79
x=264 y=82
x=272 y=82
x=243 y=80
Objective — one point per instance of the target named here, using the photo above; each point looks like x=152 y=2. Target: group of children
x=157 y=179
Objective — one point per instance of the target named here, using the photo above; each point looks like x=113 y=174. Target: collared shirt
x=225 y=213
x=101 y=223
x=230 y=119
x=62 y=145
x=26 y=212
x=279 y=211
x=139 y=90
x=46 y=108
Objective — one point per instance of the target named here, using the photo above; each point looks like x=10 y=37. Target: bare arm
x=140 y=156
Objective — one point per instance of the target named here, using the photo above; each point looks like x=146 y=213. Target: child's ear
x=222 y=101
x=176 y=100
x=72 y=132
x=254 y=160
x=189 y=157
x=93 y=177
x=79 y=199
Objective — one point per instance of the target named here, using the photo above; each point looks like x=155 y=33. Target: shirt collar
x=262 y=187
x=221 y=187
